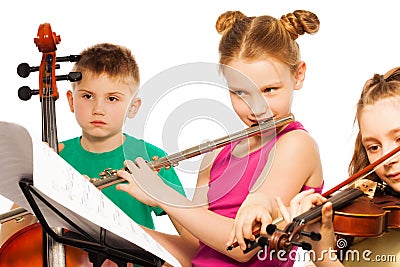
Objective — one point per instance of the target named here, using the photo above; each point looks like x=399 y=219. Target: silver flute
x=109 y=177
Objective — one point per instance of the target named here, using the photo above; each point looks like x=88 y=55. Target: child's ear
x=70 y=100
x=300 y=75
x=134 y=107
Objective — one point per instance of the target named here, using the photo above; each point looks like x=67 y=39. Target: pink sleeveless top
x=231 y=179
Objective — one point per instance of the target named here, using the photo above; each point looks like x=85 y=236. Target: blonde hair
x=377 y=88
x=115 y=61
x=264 y=36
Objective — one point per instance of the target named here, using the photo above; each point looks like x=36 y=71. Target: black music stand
x=98 y=248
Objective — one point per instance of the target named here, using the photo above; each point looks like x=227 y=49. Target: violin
x=368 y=217
x=357 y=212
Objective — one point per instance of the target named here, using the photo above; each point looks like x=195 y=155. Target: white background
x=356 y=40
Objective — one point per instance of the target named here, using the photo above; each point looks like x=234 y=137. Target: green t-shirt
x=91 y=164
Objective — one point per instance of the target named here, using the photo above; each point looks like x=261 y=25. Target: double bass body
x=25 y=248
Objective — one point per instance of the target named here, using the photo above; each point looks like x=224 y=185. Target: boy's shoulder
x=70 y=141
x=69 y=144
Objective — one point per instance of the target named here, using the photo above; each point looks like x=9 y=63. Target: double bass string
x=48 y=105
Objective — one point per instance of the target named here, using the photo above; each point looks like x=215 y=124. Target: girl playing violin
x=260 y=60
x=378 y=117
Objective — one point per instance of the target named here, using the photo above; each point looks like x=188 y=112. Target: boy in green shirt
x=101 y=101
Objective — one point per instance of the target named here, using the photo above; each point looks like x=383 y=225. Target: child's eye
x=269 y=90
x=238 y=92
x=373 y=148
x=113 y=98
x=87 y=96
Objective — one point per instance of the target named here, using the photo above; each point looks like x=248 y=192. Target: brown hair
x=115 y=61
x=377 y=88
x=264 y=36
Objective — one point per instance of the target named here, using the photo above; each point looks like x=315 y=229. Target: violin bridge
x=368 y=187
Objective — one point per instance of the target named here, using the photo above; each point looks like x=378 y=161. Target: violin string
x=337 y=200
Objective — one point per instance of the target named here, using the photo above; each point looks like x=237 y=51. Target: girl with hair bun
x=260 y=60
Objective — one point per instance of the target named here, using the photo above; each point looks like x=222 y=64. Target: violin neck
x=49 y=125
x=338 y=200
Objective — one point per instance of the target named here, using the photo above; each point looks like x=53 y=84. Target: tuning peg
x=313 y=235
x=263 y=241
x=25 y=93
x=250 y=245
x=72 y=77
x=24 y=70
x=71 y=58
x=303 y=245
x=271 y=228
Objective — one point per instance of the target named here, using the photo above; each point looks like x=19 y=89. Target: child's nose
x=260 y=108
x=98 y=108
x=392 y=160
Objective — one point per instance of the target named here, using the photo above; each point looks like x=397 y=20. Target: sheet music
x=66 y=189
x=15 y=161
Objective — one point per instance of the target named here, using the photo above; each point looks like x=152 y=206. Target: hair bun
x=377 y=78
x=300 y=22
x=226 y=20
